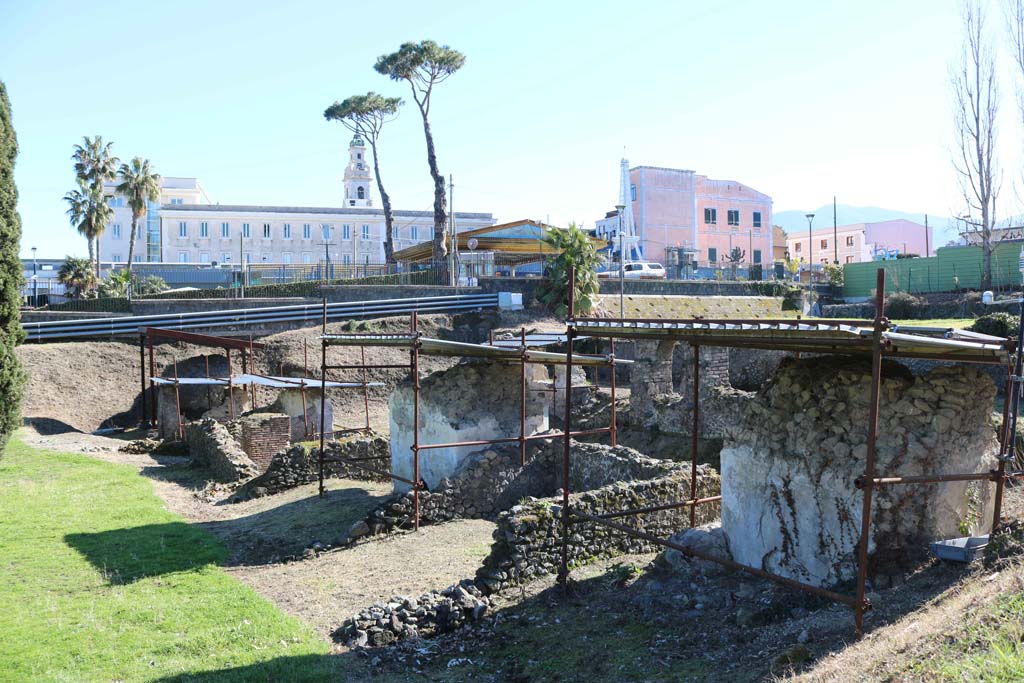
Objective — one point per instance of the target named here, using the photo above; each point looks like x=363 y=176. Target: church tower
x=357 y=175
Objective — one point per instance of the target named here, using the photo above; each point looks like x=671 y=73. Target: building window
x=287 y=231
x=204 y=229
x=757 y=219
x=286 y=257
x=305 y=231
x=266 y=231
x=849 y=241
x=182 y=229
x=712 y=255
x=248 y=258
x=225 y=230
x=325 y=230
x=116 y=230
x=710 y=216
x=204 y=257
x=182 y=257
x=414 y=233
x=177 y=201
x=632 y=192
x=225 y=257
x=849 y=259
x=366 y=232
x=346 y=232
x=757 y=256
x=824 y=244
x=346 y=259
x=138 y=258
x=796 y=248
x=116 y=258
x=246 y=232
x=734 y=216
x=360 y=192
x=306 y=257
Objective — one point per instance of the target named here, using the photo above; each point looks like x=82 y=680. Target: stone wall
x=470 y=401
x=299 y=465
x=211 y=445
x=264 y=434
x=790 y=461
x=527 y=542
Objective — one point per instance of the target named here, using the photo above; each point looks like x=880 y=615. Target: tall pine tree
x=12 y=378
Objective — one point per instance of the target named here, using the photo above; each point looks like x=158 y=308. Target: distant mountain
x=943 y=227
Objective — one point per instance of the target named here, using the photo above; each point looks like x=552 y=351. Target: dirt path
x=327 y=589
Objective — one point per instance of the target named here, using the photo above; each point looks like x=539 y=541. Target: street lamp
x=810 y=246
x=35 y=280
x=619 y=208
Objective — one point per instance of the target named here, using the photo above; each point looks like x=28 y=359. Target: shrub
x=997 y=325
x=903 y=305
x=12 y=377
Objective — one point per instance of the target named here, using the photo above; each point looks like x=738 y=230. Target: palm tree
x=139 y=185
x=95 y=164
x=76 y=274
x=78 y=210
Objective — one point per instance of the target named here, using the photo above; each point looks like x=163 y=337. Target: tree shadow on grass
x=128 y=554
x=299 y=669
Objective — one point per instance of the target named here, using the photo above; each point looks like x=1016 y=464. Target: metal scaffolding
x=522 y=350
x=876 y=338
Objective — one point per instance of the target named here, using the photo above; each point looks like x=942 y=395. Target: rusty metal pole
x=231 y=388
x=177 y=399
x=612 y=428
x=522 y=398
x=252 y=362
x=209 y=399
x=152 y=386
x=863 y=604
x=323 y=410
x=366 y=391
x=563 y=570
x=695 y=436
x=1004 y=448
x=305 y=410
x=142 y=376
x=414 y=370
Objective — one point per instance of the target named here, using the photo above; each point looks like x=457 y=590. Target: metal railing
x=129 y=325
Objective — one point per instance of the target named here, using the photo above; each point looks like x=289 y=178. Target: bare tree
x=975 y=106
x=1015 y=28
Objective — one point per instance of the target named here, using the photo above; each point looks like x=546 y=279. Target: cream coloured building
x=185 y=227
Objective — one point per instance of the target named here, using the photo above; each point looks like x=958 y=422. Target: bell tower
x=357 y=175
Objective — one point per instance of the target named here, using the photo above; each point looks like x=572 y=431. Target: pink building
x=675 y=208
x=861 y=242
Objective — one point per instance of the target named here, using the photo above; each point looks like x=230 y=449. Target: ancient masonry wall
x=211 y=445
x=790 y=462
x=297 y=465
x=264 y=434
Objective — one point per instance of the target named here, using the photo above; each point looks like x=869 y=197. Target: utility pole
x=453 y=277
x=810 y=246
x=622 y=267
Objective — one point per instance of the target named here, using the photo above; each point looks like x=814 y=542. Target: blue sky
x=800 y=100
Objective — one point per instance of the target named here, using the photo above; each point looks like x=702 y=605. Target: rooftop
x=329 y=210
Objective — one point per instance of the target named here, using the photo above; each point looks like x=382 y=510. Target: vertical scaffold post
x=611 y=366
x=414 y=370
x=522 y=397
x=695 y=435
x=366 y=391
x=252 y=364
x=1006 y=454
x=570 y=330
x=152 y=386
x=209 y=398
x=1004 y=447
x=142 y=375
x=177 y=399
x=231 y=388
x=323 y=400
x=863 y=604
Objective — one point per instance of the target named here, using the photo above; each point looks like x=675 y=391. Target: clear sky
x=800 y=100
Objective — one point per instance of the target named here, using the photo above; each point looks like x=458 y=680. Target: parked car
x=646 y=270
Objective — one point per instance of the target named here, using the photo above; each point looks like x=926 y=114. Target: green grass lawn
x=98 y=582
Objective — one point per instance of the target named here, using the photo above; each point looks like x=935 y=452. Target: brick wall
x=263 y=435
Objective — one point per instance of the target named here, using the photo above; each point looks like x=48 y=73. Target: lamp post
x=35 y=281
x=810 y=247
x=619 y=208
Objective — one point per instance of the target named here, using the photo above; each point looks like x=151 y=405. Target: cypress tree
x=12 y=378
